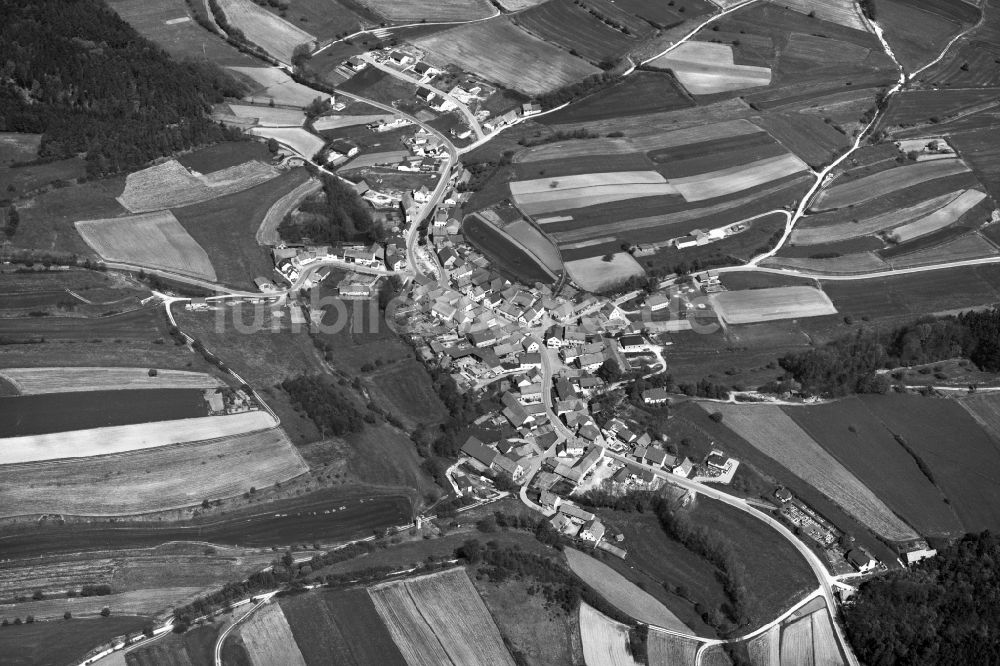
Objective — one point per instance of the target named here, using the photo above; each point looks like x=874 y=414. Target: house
x=593 y=457
x=592 y=530
x=915 y=556
x=573 y=511
x=684 y=468
x=479 y=452
x=657 y=302
x=355 y=285
x=531 y=394
x=447 y=257
x=861 y=560
x=656 y=457
x=590 y=362
x=717 y=460
x=511 y=467
x=563 y=524
x=483 y=338
x=400 y=58
x=530 y=361
x=631 y=343
x=426 y=94
x=531 y=108
x=549 y=500
x=423 y=195
x=344 y=147
x=356 y=63
x=656 y=396
x=639 y=454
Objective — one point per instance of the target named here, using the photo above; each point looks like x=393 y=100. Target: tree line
x=90 y=84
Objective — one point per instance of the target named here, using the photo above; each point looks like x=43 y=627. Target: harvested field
x=776 y=435
x=302 y=141
x=328 y=623
x=150 y=480
x=823 y=50
x=667 y=649
x=826 y=652
x=878 y=184
x=415 y=11
x=861 y=262
x=440 y=619
x=570 y=26
x=336 y=122
x=595 y=274
x=862 y=443
x=738 y=178
x=803 y=234
x=605 y=642
x=154 y=20
x=118 y=439
x=275 y=35
x=267 y=116
x=706 y=68
x=797 y=643
x=746 y=307
x=171 y=184
x=939 y=219
x=843 y=12
x=275 y=85
x=511 y=61
x=151 y=240
x=30 y=381
x=765 y=649
x=268 y=639
x=621 y=593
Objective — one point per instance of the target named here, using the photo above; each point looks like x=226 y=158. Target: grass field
x=302 y=141
x=776 y=435
x=706 y=68
x=547 y=195
x=325 y=19
x=605 y=642
x=416 y=11
x=29 y=381
x=152 y=479
x=744 y=307
x=137 y=602
x=62 y=642
x=21 y=180
x=273 y=84
x=273 y=34
x=18 y=147
x=621 y=593
x=573 y=27
x=118 y=439
x=195 y=646
x=267 y=116
x=268 y=639
x=595 y=274
x=150 y=240
x=440 y=619
x=226 y=227
x=328 y=624
x=826 y=651
x=981 y=151
x=512 y=59
x=183 y=39
x=171 y=184
x=868 y=187
x=862 y=443
x=324 y=123
x=707 y=156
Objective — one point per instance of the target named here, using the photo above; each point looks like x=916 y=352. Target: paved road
x=470 y=118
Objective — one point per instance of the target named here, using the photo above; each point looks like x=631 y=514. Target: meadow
x=276 y=36
x=572 y=27
x=300 y=140
x=150 y=480
x=171 y=184
x=271 y=84
x=776 y=435
x=30 y=381
x=642 y=92
x=62 y=642
x=744 y=307
x=507 y=256
x=605 y=641
x=512 y=59
x=918 y=31
x=430 y=11
x=663 y=648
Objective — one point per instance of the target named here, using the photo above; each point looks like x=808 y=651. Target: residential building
x=479 y=452
x=861 y=560
x=592 y=530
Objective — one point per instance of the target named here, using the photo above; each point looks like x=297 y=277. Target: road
x=470 y=118
x=826 y=581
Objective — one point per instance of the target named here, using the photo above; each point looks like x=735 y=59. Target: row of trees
x=851 y=364
x=89 y=83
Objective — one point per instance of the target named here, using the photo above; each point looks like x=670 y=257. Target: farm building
x=861 y=560
x=657 y=396
x=479 y=452
x=592 y=530
x=356 y=285
x=631 y=343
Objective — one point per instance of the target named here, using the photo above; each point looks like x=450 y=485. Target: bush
x=716 y=416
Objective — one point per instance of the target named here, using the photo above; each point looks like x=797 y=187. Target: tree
x=67 y=615
x=716 y=416
x=38 y=595
x=105 y=612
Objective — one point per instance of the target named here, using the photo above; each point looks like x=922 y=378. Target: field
x=507 y=256
x=195 y=646
x=273 y=34
x=417 y=11
x=62 y=642
x=327 y=625
x=765 y=649
x=916 y=32
x=981 y=151
x=605 y=642
x=666 y=648
x=136 y=602
x=862 y=443
x=776 y=435
x=939 y=219
x=860 y=262
x=621 y=593
x=570 y=26
x=797 y=643
x=151 y=240
x=302 y=141
x=325 y=19
x=641 y=92
x=151 y=479
x=595 y=274
x=826 y=652
x=440 y=619
x=273 y=84
x=324 y=123
x=267 y=116
x=706 y=68
x=118 y=439
x=268 y=639
x=267 y=233
x=805 y=134
x=705 y=157
x=183 y=39
x=868 y=187
x=171 y=184
x=511 y=61
x=62 y=412
x=744 y=307
x=531 y=238
x=547 y=195
x=843 y=12
x=227 y=227
x=737 y=178
x=18 y=147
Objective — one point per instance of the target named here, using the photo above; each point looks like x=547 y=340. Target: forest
x=339 y=215
x=90 y=84
x=326 y=405
x=943 y=610
x=851 y=364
